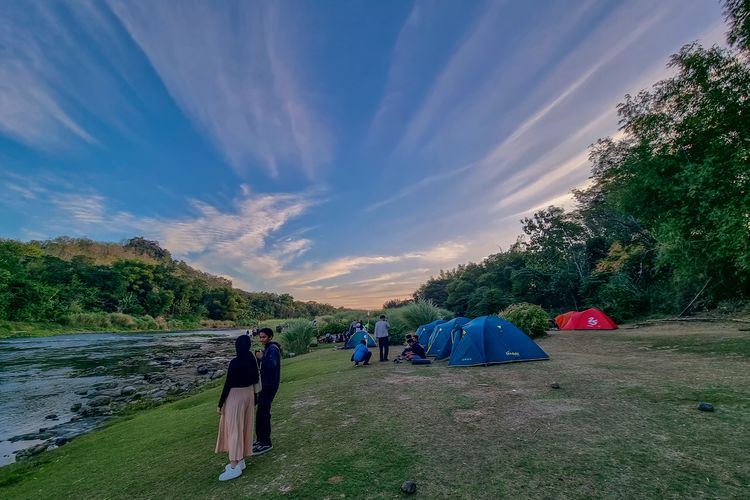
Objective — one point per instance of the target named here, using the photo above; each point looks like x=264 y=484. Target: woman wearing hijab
x=236 y=407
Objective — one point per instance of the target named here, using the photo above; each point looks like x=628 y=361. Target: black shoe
x=262 y=448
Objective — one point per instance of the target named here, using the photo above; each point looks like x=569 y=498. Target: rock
x=177 y=362
x=217 y=374
x=555 y=385
x=100 y=401
x=409 y=487
x=81 y=392
x=127 y=390
x=51 y=416
x=705 y=407
x=36 y=450
x=61 y=441
x=76 y=407
x=202 y=369
x=31 y=436
x=159 y=394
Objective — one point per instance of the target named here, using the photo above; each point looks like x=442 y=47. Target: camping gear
x=424 y=331
x=421 y=361
x=440 y=341
x=492 y=339
x=590 y=319
x=357 y=337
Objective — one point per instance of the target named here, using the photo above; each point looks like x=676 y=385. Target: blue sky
x=341 y=151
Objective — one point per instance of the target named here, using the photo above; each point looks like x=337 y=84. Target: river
x=42 y=379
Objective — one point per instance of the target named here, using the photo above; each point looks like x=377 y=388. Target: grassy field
x=624 y=424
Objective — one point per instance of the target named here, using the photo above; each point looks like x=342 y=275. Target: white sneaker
x=240 y=464
x=230 y=473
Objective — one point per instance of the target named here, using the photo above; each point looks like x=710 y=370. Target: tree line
x=142 y=279
x=666 y=217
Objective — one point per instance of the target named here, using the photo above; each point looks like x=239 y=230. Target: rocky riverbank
x=135 y=382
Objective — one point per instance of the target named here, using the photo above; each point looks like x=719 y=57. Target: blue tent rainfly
x=491 y=339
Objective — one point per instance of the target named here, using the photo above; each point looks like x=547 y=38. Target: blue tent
x=357 y=337
x=424 y=331
x=441 y=339
x=491 y=339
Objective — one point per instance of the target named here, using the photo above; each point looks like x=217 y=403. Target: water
x=39 y=376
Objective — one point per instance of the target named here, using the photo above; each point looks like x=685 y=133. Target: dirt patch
x=405 y=379
x=335 y=479
x=305 y=402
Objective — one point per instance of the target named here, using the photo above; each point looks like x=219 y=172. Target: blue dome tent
x=424 y=331
x=441 y=339
x=357 y=337
x=491 y=339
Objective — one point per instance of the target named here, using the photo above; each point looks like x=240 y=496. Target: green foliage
x=530 y=318
x=83 y=284
x=297 y=336
x=332 y=326
x=419 y=313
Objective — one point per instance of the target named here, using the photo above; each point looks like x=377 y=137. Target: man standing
x=381 y=333
x=270 y=375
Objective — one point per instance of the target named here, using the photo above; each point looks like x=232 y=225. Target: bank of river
x=55 y=388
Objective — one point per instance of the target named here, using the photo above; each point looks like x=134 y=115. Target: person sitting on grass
x=361 y=353
x=414 y=351
x=236 y=409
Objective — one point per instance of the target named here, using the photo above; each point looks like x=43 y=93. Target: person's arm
x=271 y=368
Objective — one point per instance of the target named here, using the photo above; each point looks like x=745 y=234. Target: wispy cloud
x=235 y=73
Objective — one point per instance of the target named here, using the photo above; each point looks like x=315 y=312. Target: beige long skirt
x=236 y=423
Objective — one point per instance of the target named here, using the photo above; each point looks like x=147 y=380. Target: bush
x=297 y=336
x=530 y=318
x=420 y=313
x=120 y=320
x=87 y=320
x=333 y=327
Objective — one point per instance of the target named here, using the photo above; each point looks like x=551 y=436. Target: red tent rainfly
x=590 y=319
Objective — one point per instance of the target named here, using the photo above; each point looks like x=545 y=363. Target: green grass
x=623 y=425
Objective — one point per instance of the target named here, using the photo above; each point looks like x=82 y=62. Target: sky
x=340 y=151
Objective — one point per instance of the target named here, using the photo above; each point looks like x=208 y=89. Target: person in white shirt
x=381 y=333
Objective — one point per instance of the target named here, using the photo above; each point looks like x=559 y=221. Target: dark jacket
x=270 y=370
x=243 y=369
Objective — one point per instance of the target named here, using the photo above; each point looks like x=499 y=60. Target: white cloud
x=235 y=73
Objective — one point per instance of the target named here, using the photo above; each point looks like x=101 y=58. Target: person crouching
x=361 y=353
x=236 y=406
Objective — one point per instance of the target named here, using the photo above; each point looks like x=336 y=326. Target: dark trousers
x=383 y=348
x=263 y=419
x=368 y=355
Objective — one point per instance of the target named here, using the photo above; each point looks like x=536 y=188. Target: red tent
x=563 y=318
x=590 y=319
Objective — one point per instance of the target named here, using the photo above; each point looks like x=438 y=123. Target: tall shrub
x=297 y=336
x=530 y=318
x=419 y=313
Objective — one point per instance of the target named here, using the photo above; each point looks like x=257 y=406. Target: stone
x=61 y=441
x=555 y=385
x=706 y=407
x=81 y=392
x=76 y=407
x=36 y=450
x=160 y=394
x=100 y=401
x=51 y=416
x=127 y=390
x=202 y=369
x=217 y=374
x=409 y=487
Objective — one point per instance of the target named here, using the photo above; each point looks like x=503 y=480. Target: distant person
x=361 y=353
x=381 y=333
x=270 y=376
x=353 y=327
x=236 y=409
